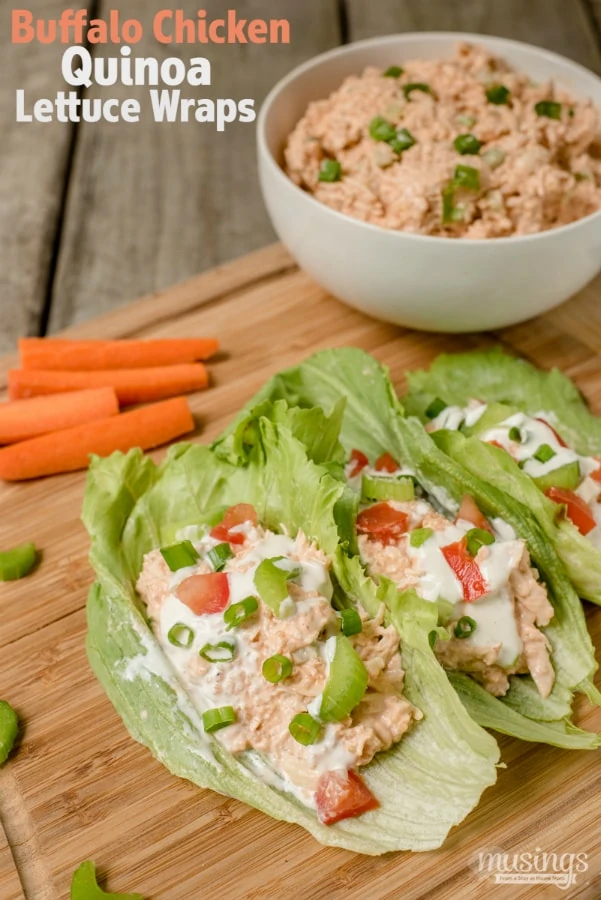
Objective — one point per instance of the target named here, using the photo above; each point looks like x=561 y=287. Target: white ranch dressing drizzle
x=533 y=433
x=205 y=688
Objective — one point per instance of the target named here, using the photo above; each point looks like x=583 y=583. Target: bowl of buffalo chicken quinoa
x=441 y=181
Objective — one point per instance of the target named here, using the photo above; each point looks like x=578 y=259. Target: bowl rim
x=410 y=37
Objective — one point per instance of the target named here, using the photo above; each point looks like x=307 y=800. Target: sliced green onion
x=467 y=144
x=494 y=157
x=467 y=177
x=9 y=728
x=219 y=556
x=416 y=86
x=180 y=635
x=272 y=583
x=346 y=684
x=221 y=652
x=330 y=170
x=582 y=176
x=465 y=121
x=238 y=613
x=544 y=453
x=464 y=627
x=350 y=622
x=180 y=556
x=450 y=212
x=476 y=538
x=432 y=638
x=219 y=717
x=402 y=141
x=550 y=109
x=374 y=488
x=435 y=408
x=419 y=536
x=17 y=563
x=498 y=94
x=305 y=729
x=381 y=129
x=276 y=668
x=515 y=434
x=393 y=72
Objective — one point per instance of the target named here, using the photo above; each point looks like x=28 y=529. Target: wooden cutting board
x=80 y=788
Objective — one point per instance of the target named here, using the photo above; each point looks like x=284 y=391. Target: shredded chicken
x=535 y=172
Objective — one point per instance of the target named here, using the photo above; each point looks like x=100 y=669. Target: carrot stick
x=131 y=385
x=24 y=419
x=68 y=450
x=85 y=356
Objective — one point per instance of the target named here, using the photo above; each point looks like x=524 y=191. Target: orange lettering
x=22 y=32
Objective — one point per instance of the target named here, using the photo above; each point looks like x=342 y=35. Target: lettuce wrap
x=426 y=783
x=374 y=422
x=509 y=386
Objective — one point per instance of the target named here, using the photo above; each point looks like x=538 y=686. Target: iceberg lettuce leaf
x=374 y=423
x=131 y=505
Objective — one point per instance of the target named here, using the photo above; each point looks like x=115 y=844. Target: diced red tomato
x=386 y=463
x=383 y=523
x=558 y=437
x=343 y=796
x=235 y=515
x=576 y=509
x=466 y=570
x=469 y=512
x=596 y=475
x=359 y=461
x=205 y=594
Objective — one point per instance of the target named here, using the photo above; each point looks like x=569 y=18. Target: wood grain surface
x=79 y=787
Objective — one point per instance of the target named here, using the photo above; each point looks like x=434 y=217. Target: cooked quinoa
x=475 y=150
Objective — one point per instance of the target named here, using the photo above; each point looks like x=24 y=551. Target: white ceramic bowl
x=431 y=283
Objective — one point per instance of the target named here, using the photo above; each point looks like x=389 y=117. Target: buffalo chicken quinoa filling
x=478 y=572
x=569 y=479
x=246 y=619
x=464 y=148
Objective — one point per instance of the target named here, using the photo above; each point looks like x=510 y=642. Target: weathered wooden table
x=94 y=215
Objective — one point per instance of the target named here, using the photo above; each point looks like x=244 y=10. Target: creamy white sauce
x=533 y=433
x=205 y=688
x=496 y=624
x=436 y=578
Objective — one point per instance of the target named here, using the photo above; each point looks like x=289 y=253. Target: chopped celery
x=566 y=476
x=374 y=488
x=17 y=563
x=346 y=684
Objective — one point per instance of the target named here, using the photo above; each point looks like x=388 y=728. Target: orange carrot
x=85 y=356
x=68 y=450
x=131 y=385
x=24 y=419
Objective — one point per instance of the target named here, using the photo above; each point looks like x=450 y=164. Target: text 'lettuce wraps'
x=533 y=435
x=240 y=644
x=511 y=630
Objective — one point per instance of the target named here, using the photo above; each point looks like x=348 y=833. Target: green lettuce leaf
x=426 y=784
x=493 y=376
x=374 y=423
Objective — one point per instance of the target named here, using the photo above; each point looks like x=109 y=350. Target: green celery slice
x=566 y=476
x=9 y=728
x=17 y=563
x=346 y=684
x=400 y=489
